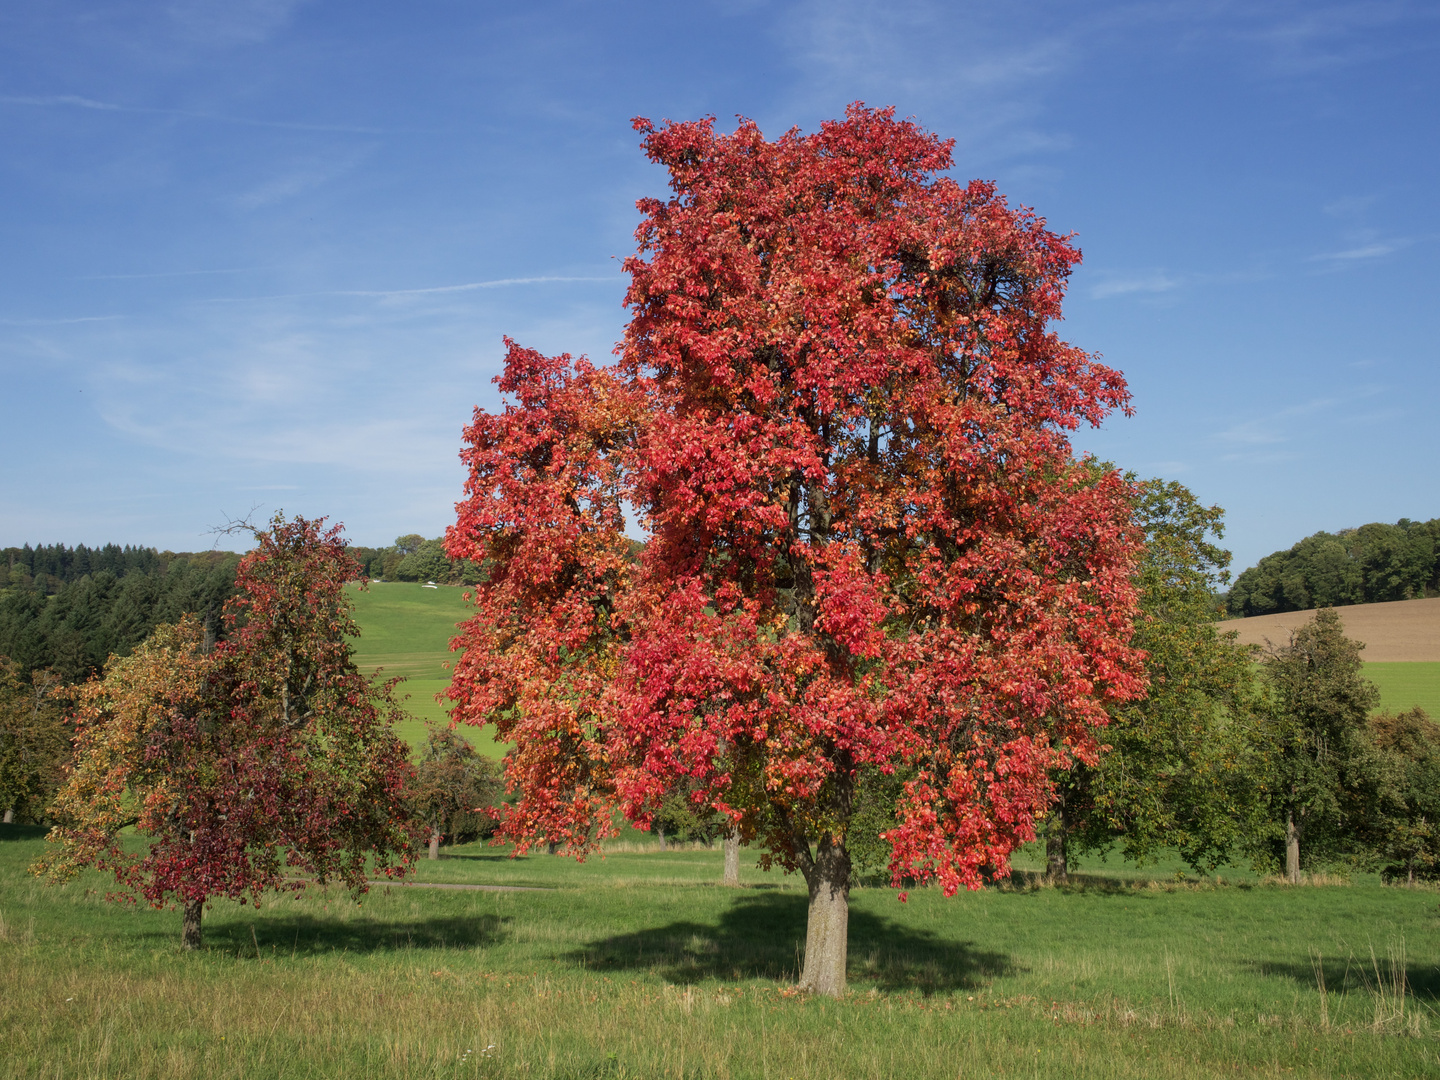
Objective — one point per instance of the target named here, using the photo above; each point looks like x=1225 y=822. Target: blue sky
x=261 y=253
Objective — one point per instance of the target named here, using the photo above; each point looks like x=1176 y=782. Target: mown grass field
x=638 y=965
x=1405 y=685
x=405 y=629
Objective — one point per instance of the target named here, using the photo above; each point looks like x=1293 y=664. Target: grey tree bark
x=1057 y=855
x=10 y=816
x=660 y=832
x=732 y=859
x=434 y=843
x=827 y=932
x=1292 y=849
x=190 y=933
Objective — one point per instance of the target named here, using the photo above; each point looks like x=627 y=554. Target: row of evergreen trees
x=72 y=623
x=1371 y=564
x=51 y=565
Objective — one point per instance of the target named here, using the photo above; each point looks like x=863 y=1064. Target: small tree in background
x=453 y=789
x=1401 y=822
x=1322 y=702
x=244 y=763
x=1186 y=762
x=34 y=742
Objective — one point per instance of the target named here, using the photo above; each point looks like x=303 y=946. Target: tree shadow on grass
x=761 y=936
x=298 y=933
x=22 y=832
x=1093 y=884
x=1357 y=975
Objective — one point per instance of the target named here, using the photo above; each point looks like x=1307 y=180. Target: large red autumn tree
x=245 y=765
x=841 y=414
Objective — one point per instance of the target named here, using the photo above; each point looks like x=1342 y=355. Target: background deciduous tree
x=1401 y=821
x=1184 y=762
x=841 y=415
x=453 y=788
x=1323 y=702
x=245 y=763
x=34 y=742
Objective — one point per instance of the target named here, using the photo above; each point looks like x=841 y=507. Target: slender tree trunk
x=434 y=843
x=10 y=816
x=732 y=858
x=190 y=924
x=827 y=931
x=1292 y=849
x=661 y=834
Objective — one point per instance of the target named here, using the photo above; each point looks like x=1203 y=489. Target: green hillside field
x=1405 y=685
x=405 y=629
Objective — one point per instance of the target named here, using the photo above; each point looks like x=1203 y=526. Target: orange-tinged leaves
x=841 y=418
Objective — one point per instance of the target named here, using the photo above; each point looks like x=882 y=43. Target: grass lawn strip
x=639 y=966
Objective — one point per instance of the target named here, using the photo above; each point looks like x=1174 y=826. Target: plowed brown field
x=1402 y=630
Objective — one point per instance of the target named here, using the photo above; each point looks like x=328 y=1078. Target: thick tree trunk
x=434 y=843
x=10 y=816
x=827 y=932
x=190 y=924
x=1292 y=849
x=732 y=859
x=1057 y=851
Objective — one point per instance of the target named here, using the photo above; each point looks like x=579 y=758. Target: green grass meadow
x=640 y=965
x=1405 y=685
x=405 y=629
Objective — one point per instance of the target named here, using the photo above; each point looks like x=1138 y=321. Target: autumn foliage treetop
x=842 y=417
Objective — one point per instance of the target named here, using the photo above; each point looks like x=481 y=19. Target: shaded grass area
x=638 y=965
x=1405 y=685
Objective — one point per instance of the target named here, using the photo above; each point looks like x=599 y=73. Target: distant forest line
x=1371 y=564
x=70 y=608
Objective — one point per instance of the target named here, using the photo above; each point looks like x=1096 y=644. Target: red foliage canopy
x=842 y=418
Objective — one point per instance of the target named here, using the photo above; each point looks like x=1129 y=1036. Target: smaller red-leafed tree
x=841 y=416
x=252 y=764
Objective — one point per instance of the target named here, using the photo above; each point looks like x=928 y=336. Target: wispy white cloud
x=227 y=22
x=78 y=102
x=171 y=273
x=61 y=322
x=1154 y=281
x=1374 y=250
x=1273 y=428
x=302 y=176
x=1349 y=205
x=431 y=290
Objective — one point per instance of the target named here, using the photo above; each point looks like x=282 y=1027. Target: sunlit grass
x=640 y=965
x=1405 y=685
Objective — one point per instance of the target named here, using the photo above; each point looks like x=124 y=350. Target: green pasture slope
x=1405 y=685
x=405 y=629
x=639 y=966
